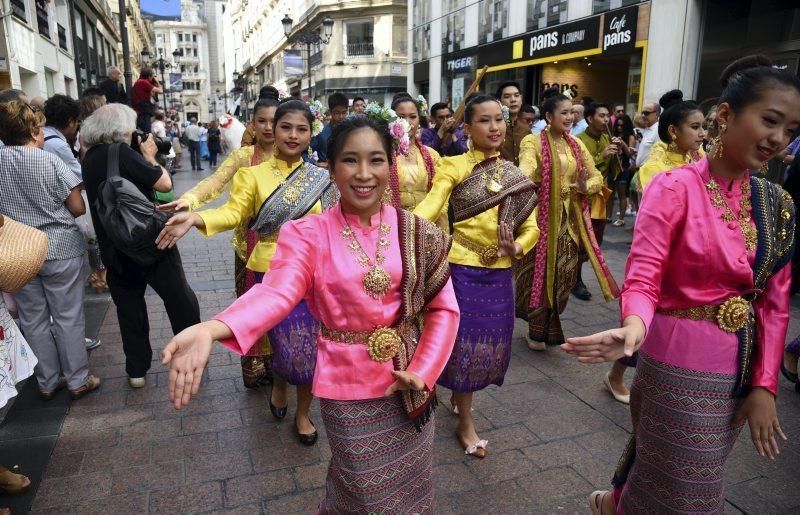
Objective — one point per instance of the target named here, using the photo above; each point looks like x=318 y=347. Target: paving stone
x=206 y=467
x=181 y=447
x=304 y=502
x=115 y=458
x=211 y=422
x=253 y=488
x=286 y=456
x=187 y=499
x=147 y=477
x=87 y=440
x=454 y=477
x=311 y=476
x=64 y=465
x=66 y=491
x=503 y=466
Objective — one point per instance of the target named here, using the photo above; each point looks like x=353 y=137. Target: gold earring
x=764 y=168
x=386 y=198
x=716 y=142
x=673 y=146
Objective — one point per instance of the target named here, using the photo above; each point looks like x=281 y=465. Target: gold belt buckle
x=733 y=314
x=488 y=255
x=383 y=344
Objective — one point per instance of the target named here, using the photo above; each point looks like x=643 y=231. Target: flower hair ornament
x=422 y=104
x=506 y=114
x=398 y=128
x=318 y=110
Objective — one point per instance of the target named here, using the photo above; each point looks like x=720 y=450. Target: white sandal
x=624 y=398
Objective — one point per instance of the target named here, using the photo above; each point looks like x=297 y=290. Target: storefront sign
x=458 y=65
x=619 y=31
x=566 y=38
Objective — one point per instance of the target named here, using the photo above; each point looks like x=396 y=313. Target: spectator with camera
x=40 y=191
x=142 y=95
x=113 y=127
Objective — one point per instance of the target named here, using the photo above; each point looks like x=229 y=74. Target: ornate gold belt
x=487 y=255
x=730 y=316
x=382 y=344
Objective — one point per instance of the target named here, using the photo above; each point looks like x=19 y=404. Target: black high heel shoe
x=308 y=440
x=278 y=413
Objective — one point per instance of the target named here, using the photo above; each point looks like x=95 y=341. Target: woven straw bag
x=22 y=253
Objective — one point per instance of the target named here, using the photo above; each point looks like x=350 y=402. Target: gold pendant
x=376 y=282
x=291 y=195
x=493 y=186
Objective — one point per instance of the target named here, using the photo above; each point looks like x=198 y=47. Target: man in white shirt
x=192 y=133
x=651 y=112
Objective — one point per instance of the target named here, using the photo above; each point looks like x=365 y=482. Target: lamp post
x=308 y=37
x=216 y=99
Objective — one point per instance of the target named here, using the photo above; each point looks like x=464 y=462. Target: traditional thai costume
x=706 y=275
x=409 y=183
x=255 y=367
x=483 y=191
x=16 y=357
x=661 y=159
x=381 y=446
x=267 y=196
x=547 y=275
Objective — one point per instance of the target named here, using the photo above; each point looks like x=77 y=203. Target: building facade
x=190 y=37
x=140 y=35
x=56 y=46
x=622 y=51
x=367 y=53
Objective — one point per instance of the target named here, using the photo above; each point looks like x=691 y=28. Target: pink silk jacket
x=313 y=262
x=684 y=255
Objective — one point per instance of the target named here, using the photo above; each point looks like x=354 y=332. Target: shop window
x=454 y=33
x=422 y=43
x=546 y=13
x=493 y=20
x=358 y=38
x=599 y=6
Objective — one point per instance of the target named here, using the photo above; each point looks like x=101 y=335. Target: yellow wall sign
x=519 y=46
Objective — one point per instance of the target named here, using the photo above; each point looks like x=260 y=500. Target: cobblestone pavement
x=554 y=433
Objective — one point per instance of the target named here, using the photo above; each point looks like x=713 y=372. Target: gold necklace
x=748 y=231
x=376 y=280
x=493 y=184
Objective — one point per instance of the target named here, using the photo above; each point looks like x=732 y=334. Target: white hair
x=112 y=69
x=111 y=123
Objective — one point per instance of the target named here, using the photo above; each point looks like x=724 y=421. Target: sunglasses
x=648 y=113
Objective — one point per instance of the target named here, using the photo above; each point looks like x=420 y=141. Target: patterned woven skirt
x=483 y=345
x=379 y=462
x=544 y=324
x=256 y=369
x=683 y=433
x=294 y=346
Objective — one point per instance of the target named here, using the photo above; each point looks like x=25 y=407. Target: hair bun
x=742 y=64
x=671 y=97
x=550 y=92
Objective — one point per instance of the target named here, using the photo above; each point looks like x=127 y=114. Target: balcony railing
x=360 y=50
x=62 y=37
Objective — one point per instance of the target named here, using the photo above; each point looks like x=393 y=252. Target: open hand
x=175 y=205
x=759 y=410
x=404 y=380
x=608 y=345
x=186 y=354
x=174 y=230
x=506 y=246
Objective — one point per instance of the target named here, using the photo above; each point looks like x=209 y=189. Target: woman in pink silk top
x=367 y=271
x=706 y=300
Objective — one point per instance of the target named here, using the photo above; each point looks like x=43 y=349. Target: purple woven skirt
x=483 y=344
x=294 y=345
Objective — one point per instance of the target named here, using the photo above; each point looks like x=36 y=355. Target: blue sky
x=161 y=9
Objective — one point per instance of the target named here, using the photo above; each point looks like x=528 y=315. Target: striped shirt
x=34 y=185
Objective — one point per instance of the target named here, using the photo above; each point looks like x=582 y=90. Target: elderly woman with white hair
x=108 y=125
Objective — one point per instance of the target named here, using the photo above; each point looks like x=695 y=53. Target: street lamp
x=308 y=36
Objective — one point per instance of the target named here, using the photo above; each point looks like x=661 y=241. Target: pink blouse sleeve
x=772 y=322
x=661 y=213
x=438 y=336
x=282 y=288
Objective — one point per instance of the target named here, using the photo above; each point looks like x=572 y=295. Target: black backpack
x=129 y=218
